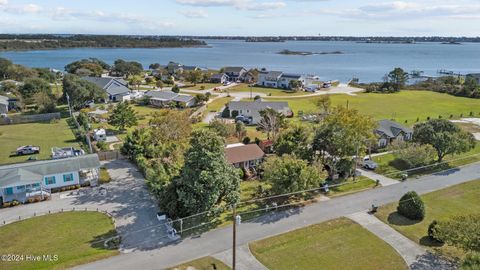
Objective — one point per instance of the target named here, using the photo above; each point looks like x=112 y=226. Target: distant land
x=365 y=39
x=9 y=42
x=301 y=53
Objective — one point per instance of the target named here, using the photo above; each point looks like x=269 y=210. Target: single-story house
x=173 y=67
x=163 y=98
x=22 y=181
x=244 y=156
x=116 y=88
x=4 y=101
x=389 y=131
x=235 y=73
x=219 y=78
x=251 y=109
x=278 y=79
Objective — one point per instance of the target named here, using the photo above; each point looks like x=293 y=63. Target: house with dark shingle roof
x=389 y=131
x=165 y=98
x=116 y=88
x=36 y=179
x=244 y=156
x=251 y=109
x=278 y=79
x=235 y=73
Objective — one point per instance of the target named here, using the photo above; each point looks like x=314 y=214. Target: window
x=20 y=188
x=68 y=177
x=50 y=180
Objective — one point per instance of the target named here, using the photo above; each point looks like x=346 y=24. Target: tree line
x=23 y=42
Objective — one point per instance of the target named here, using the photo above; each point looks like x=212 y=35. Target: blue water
x=368 y=62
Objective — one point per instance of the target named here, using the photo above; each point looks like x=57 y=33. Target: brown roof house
x=243 y=156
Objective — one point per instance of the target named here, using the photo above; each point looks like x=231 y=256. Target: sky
x=243 y=17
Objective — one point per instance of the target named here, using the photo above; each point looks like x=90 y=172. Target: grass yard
x=362 y=183
x=206 y=86
x=45 y=134
x=402 y=106
x=335 y=244
x=205 y=263
x=68 y=235
x=263 y=90
x=440 y=205
x=387 y=165
x=218 y=104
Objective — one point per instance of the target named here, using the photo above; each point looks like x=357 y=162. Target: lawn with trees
x=335 y=244
x=442 y=206
x=76 y=237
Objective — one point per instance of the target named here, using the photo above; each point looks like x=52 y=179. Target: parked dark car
x=243 y=119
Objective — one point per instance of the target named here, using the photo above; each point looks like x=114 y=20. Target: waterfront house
x=36 y=180
x=278 y=79
x=251 y=109
x=246 y=157
x=219 y=78
x=235 y=73
x=4 y=104
x=174 y=68
x=390 y=131
x=165 y=98
x=116 y=89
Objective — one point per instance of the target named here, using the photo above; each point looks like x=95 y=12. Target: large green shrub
x=471 y=262
x=411 y=206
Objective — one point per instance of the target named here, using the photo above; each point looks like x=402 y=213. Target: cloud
x=20 y=9
x=194 y=13
x=251 y=5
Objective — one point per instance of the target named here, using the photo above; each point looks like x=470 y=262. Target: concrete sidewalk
x=404 y=246
x=244 y=259
x=384 y=181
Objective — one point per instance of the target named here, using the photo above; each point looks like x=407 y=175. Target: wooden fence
x=20 y=119
x=109 y=155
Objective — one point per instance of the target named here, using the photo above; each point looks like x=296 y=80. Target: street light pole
x=234 y=235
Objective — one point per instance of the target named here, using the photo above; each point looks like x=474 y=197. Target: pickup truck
x=27 y=150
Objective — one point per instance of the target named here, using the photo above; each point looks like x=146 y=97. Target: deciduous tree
x=271 y=122
x=444 y=136
x=123 y=116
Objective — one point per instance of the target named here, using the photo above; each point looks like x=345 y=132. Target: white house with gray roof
x=4 y=104
x=389 y=131
x=117 y=89
x=278 y=79
x=165 y=98
x=251 y=109
x=22 y=181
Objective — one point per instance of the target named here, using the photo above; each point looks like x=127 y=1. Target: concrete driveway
x=127 y=200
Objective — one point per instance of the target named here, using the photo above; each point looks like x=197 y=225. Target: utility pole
x=234 y=235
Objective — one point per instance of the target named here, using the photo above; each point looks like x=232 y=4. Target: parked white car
x=28 y=150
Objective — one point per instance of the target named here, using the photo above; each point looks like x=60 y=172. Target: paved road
x=280 y=222
x=244 y=259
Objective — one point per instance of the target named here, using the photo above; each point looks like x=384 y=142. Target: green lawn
x=362 y=183
x=68 y=235
x=218 y=104
x=205 y=263
x=387 y=165
x=199 y=85
x=402 y=106
x=45 y=134
x=263 y=90
x=440 y=205
x=336 y=244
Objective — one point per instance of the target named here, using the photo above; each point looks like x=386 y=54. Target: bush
x=431 y=231
x=102 y=146
x=246 y=140
x=411 y=206
x=471 y=262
